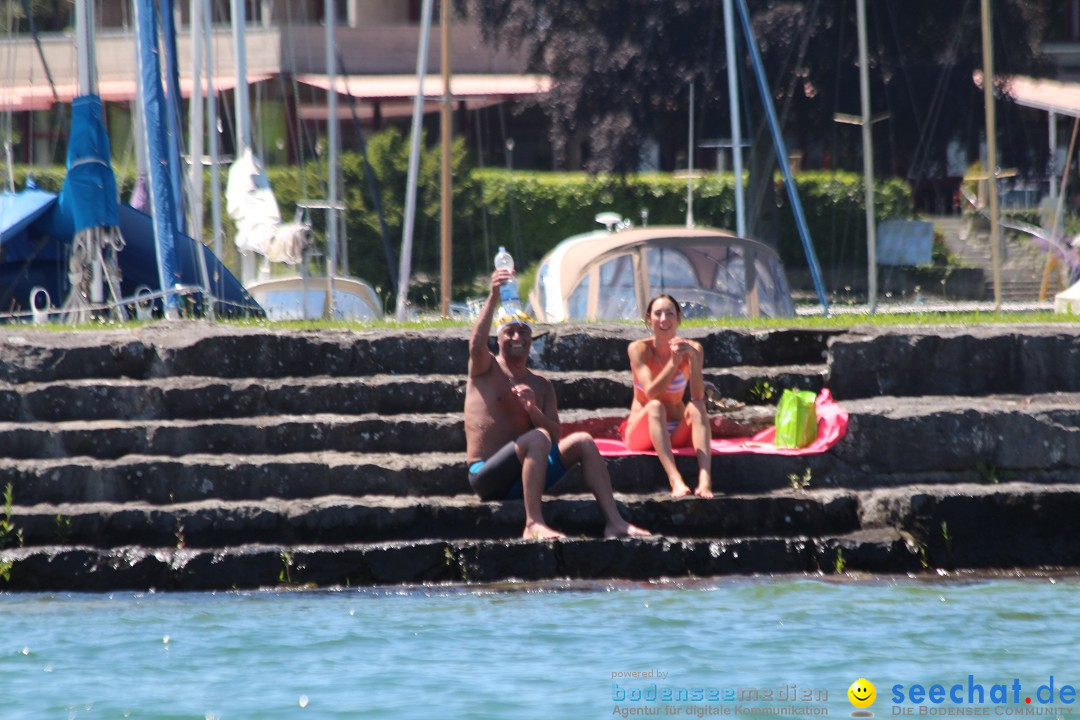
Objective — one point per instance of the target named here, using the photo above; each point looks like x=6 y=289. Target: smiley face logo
x=862 y=693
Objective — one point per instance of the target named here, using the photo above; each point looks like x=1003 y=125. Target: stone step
x=341 y=520
x=431 y=432
x=890 y=441
x=194 y=397
x=73 y=568
x=971 y=361
x=1007 y=526
x=999 y=433
x=191 y=348
x=908 y=434
x=310 y=433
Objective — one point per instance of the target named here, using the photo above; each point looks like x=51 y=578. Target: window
x=669 y=269
x=577 y=305
x=617 y=298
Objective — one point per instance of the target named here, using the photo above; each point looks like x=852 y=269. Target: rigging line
x=879 y=54
x=834 y=127
x=7 y=130
x=515 y=227
x=294 y=130
x=41 y=51
x=225 y=109
x=811 y=18
x=369 y=174
x=804 y=43
x=478 y=114
x=937 y=99
x=710 y=74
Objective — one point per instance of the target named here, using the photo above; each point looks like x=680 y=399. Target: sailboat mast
x=215 y=152
x=868 y=158
x=332 y=154
x=196 y=143
x=447 y=132
x=991 y=148
x=84 y=39
x=736 y=124
x=243 y=113
x=405 y=263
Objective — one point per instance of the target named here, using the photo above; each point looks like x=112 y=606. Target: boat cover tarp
x=138 y=264
x=19 y=210
x=34 y=258
x=88 y=198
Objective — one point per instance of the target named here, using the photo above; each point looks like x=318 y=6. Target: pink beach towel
x=832 y=426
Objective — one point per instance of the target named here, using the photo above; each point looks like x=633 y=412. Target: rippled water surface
x=541 y=652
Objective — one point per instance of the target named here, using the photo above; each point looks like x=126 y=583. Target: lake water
x=777 y=647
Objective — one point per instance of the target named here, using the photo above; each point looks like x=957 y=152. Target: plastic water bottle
x=508 y=293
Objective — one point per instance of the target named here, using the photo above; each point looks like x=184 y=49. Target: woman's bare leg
x=697 y=417
x=661 y=440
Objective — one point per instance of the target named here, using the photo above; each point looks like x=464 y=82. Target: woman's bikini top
x=678 y=384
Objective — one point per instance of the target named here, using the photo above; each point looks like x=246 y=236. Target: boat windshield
x=301 y=305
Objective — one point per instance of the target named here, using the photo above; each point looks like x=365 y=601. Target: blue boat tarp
x=89 y=195
x=32 y=257
x=19 y=210
x=138 y=265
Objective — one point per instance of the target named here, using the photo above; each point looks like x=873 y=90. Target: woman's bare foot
x=625 y=529
x=678 y=487
x=704 y=484
x=540 y=531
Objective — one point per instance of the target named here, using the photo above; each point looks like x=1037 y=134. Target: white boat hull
x=304 y=298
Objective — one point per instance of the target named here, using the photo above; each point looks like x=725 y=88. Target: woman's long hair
x=678 y=307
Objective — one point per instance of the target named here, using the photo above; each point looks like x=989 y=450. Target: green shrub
x=530 y=212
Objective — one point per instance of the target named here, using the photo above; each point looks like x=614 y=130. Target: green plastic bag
x=796 y=419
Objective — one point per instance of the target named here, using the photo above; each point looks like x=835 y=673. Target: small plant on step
x=5 y=570
x=62 y=529
x=947 y=538
x=10 y=536
x=992 y=475
x=800 y=482
x=762 y=391
x=839 y=564
x=285 y=576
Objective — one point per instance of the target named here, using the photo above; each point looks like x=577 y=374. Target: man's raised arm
x=480 y=358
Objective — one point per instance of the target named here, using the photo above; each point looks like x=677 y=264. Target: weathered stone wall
x=199 y=456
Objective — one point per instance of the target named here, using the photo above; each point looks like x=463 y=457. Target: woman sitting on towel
x=664 y=365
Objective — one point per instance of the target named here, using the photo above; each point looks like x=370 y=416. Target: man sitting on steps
x=515 y=448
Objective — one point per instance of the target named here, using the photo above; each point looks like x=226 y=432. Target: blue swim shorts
x=499 y=477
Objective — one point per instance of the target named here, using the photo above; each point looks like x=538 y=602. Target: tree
x=621 y=69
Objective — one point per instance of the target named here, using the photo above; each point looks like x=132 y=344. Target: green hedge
x=530 y=212
x=553 y=206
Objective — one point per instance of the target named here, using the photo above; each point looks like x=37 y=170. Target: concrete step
x=1001 y=433
x=194 y=456
x=431 y=432
x=890 y=441
x=311 y=433
x=195 y=397
x=341 y=519
x=900 y=530
x=191 y=348
x=75 y=568
x=959 y=361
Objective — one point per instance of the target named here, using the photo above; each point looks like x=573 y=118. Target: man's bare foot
x=703 y=491
x=540 y=531
x=625 y=529
x=678 y=487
